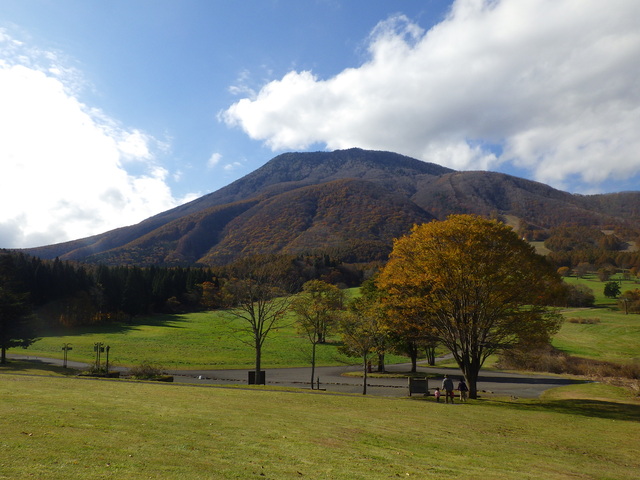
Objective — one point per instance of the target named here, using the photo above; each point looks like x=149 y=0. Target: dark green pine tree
x=16 y=329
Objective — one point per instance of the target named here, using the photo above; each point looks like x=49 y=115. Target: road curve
x=333 y=379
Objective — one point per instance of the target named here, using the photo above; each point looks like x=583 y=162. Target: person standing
x=463 y=389
x=447 y=386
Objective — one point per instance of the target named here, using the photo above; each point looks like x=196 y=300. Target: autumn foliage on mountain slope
x=308 y=202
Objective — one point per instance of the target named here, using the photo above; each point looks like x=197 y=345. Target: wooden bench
x=418 y=385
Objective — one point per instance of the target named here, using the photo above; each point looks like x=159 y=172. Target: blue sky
x=114 y=110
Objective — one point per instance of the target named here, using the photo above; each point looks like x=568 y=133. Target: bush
x=579 y=296
x=629 y=301
x=584 y=321
x=548 y=359
x=146 y=371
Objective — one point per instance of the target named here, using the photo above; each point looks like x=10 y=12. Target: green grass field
x=58 y=426
x=613 y=336
x=210 y=340
x=206 y=340
x=74 y=428
x=595 y=284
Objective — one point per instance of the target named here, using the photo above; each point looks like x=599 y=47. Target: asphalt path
x=336 y=379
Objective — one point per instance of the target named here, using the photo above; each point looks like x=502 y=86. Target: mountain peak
x=308 y=201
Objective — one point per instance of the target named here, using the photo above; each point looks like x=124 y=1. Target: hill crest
x=306 y=202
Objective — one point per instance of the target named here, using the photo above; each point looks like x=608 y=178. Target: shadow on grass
x=161 y=320
x=528 y=380
x=33 y=366
x=585 y=407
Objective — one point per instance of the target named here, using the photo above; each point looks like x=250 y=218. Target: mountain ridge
x=305 y=202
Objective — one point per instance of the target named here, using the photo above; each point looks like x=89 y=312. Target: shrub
x=629 y=301
x=548 y=359
x=146 y=371
x=584 y=321
x=579 y=296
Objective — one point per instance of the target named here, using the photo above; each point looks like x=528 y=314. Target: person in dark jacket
x=447 y=386
x=463 y=389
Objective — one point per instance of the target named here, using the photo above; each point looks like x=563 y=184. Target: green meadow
x=78 y=428
x=205 y=340
x=211 y=340
x=603 y=332
x=57 y=425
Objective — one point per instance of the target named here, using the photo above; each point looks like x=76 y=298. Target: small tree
x=583 y=269
x=629 y=301
x=363 y=332
x=316 y=309
x=578 y=296
x=258 y=301
x=612 y=289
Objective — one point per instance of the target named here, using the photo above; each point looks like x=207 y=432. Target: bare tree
x=257 y=299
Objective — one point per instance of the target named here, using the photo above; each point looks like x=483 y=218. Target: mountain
x=344 y=200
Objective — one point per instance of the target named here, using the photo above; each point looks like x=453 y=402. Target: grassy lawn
x=595 y=284
x=206 y=340
x=210 y=340
x=607 y=333
x=74 y=428
x=614 y=336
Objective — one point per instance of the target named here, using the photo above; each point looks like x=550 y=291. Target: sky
x=112 y=111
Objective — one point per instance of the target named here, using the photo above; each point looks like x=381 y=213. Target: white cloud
x=553 y=84
x=63 y=163
x=230 y=167
x=214 y=160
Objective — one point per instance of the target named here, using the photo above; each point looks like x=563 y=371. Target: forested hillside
x=353 y=201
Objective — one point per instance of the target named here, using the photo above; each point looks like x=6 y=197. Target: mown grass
x=595 y=284
x=74 y=428
x=205 y=340
x=614 y=337
x=603 y=332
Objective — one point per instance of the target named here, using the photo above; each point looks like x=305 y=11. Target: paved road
x=333 y=379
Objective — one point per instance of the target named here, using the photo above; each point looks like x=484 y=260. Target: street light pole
x=65 y=348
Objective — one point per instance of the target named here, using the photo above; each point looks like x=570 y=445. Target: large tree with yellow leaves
x=480 y=286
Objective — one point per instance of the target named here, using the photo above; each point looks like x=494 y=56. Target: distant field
x=209 y=340
x=206 y=340
x=83 y=429
x=595 y=284
x=612 y=335
x=615 y=337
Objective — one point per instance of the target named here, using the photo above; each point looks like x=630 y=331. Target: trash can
x=259 y=381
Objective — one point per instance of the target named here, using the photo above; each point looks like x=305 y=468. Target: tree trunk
x=431 y=355
x=3 y=359
x=313 y=363
x=258 y=361
x=364 y=375
x=414 y=361
x=381 y=363
x=471 y=376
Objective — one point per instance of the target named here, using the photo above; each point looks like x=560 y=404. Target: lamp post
x=65 y=348
x=98 y=348
x=108 y=348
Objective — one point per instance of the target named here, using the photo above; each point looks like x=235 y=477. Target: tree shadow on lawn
x=585 y=407
x=29 y=365
x=528 y=380
x=161 y=320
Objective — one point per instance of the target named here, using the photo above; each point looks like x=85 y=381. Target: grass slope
x=72 y=428
x=207 y=340
x=613 y=336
